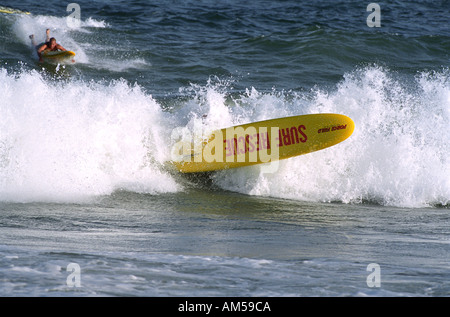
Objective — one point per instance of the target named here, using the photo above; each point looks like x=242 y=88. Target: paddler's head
x=52 y=43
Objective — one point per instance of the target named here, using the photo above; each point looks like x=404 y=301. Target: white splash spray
x=69 y=141
x=399 y=154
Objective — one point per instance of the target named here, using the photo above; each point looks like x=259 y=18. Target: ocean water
x=89 y=207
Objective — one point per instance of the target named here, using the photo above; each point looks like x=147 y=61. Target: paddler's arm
x=60 y=47
x=40 y=50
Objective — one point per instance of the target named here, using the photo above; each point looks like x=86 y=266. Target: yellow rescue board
x=12 y=11
x=58 y=56
x=261 y=142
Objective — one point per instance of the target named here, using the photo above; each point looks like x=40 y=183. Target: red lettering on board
x=250 y=145
x=286 y=137
x=247 y=143
x=300 y=130
x=335 y=128
x=261 y=141
x=265 y=141
x=291 y=136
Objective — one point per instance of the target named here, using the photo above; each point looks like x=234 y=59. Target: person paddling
x=49 y=45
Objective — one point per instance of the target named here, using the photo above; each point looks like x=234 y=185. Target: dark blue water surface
x=261 y=44
x=84 y=149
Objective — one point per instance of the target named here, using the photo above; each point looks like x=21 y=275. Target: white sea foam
x=64 y=141
x=398 y=154
x=68 y=141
